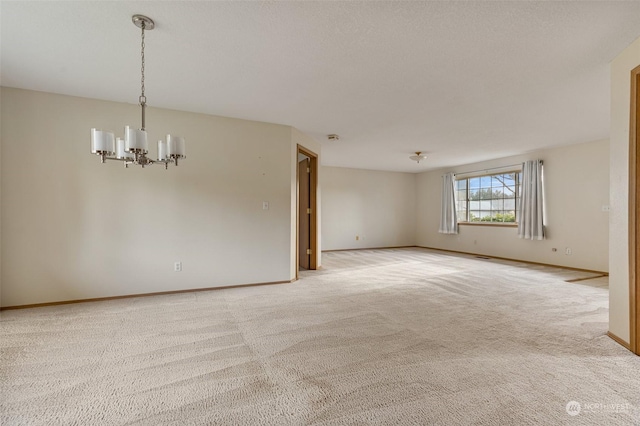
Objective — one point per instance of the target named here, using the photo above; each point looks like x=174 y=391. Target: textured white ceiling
x=461 y=81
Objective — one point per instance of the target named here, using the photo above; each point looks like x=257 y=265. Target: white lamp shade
x=162 y=150
x=120 y=152
x=175 y=147
x=102 y=142
x=135 y=139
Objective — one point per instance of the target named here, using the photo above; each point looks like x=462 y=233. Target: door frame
x=313 y=228
x=634 y=214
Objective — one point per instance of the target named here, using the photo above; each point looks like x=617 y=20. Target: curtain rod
x=492 y=168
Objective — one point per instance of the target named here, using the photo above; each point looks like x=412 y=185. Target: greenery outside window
x=489 y=198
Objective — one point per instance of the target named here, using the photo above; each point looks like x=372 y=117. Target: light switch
x=265 y=205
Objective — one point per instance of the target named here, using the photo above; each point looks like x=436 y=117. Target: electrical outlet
x=568 y=251
x=177 y=267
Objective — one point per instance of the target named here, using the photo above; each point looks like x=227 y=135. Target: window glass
x=491 y=198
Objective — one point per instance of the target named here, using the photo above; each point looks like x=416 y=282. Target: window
x=488 y=199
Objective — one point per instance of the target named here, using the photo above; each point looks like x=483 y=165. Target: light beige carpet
x=406 y=336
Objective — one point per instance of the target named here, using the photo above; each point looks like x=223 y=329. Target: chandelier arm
x=164 y=163
x=104 y=157
x=141 y=159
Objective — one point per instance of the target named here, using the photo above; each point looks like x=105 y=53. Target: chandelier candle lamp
x=133 y=149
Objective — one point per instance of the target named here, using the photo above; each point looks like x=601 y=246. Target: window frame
x=517 y=170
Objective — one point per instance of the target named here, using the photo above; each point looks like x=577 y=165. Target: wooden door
x=304 y=214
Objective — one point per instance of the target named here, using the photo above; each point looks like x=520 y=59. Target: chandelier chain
x=143 y=98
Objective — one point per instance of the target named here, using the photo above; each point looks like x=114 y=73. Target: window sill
x=501 y=225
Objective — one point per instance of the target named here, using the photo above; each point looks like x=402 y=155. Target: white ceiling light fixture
x=133 y=149
x=418 y=157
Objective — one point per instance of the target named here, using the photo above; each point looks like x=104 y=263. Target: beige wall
x=576 y=188
x=379 y=207
x=619 y=220
x=73 y=228
x=1 y=202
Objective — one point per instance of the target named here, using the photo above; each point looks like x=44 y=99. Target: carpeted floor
x=404 y=336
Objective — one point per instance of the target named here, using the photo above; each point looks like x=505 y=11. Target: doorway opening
x=307 y=179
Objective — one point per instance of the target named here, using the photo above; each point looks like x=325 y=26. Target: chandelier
x=418 y=157
x=133 y=149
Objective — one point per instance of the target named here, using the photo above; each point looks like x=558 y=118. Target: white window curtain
x=531 y=222
x=448 y=219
